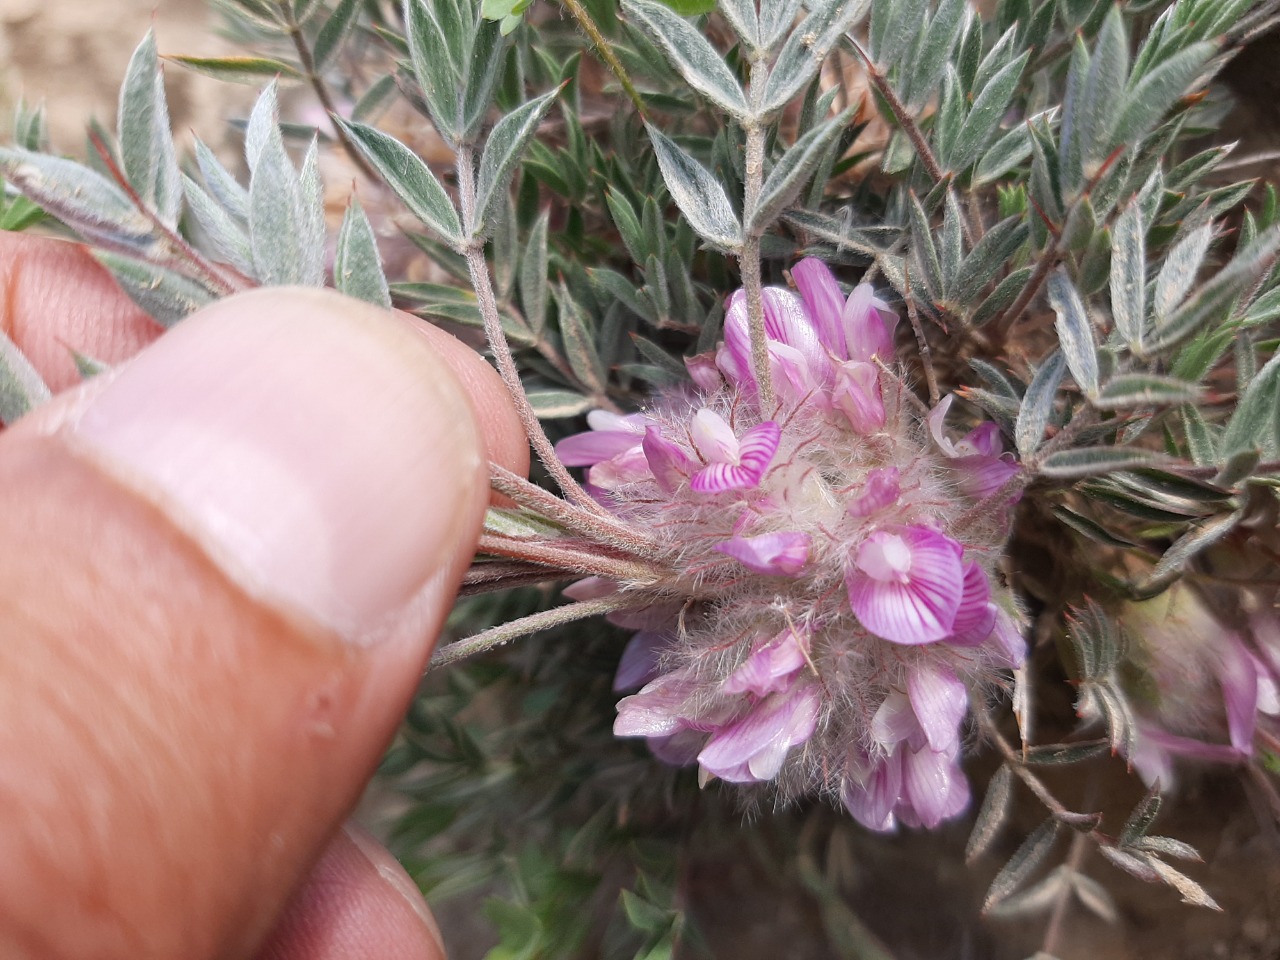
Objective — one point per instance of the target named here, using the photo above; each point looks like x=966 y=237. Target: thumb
x=222 y=570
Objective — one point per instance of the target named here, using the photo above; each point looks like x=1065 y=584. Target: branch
x=900 y=113
x=535 y=622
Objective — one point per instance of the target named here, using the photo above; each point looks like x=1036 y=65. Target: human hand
x=222 y=570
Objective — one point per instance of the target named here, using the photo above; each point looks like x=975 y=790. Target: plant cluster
x=928 y=359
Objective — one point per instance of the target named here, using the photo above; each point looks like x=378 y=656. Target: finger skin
x=355 y=905
x=177 y=751
x=56 y=298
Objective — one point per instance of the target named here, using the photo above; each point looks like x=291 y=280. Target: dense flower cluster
x=833 y=601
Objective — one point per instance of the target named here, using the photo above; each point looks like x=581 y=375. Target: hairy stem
x=902 y=115
x=583 y=560
x=488 y=304
x=926 y=355
x=605 y=52
x=749 y=262
x=308 y=63
x=545 y=620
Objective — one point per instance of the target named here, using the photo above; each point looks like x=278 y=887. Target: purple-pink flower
x=831 y=605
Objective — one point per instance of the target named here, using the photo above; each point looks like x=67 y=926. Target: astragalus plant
x=927 y=354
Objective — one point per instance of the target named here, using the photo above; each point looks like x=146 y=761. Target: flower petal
x=770 y=666
x=639 y=661
x=977 y=615
x=759 y=444
x=939 y=701
x=586 y=449
x=872 y=796
x=882 y=489
x=757 y=449
x=713 y=437
x=702 y=370
x=655 y=710
x=894 y=721
x=919 y=608
x=630 y=466
x=868 y=325
x=667 y=460
x=824 y=301
x=764 y=735
x=772 y=554
x=857 y=395
x=937 y=421
x=927 y=785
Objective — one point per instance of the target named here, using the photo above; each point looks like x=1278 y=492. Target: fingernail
x=314 y=446
x=395 y=877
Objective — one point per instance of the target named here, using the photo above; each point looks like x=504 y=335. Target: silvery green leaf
x=1263 y=310
x=1143 y=389
x=951 y=251
x=21 y=388
x=30 y=129
x=697 y=193
x=87 y=366
x=1071 y=164
x=1003 y=296
x=1214 y=296
x=164 y=294
x=1147 y=101
x=1167 y=847
x=223 y=187
x=628 y=224
x=375 y=100
x=357 y=267
x=949 y=119
x=533 y=274
x=502 y=151
x=1012 y=149
x=1187 y=546
x=263 y=126
x=147 y=155
x=483 y=67
x=806 y=48
x=86 y=201
x=303 y=10
x=1128 y=276
x=312 y=234
x=1022 y=864
x=1178 y=274
x=276 y=225
x=903 y=21
x=924 y=250
x=1037 y=406
x=996 y=379
x=1094 y=897
x=1108 y=71
x=409 y=178
x=227 y=235
x=1202 y=443
x=252 y=70
x=579 y=344
x=691 y=53
x=260 y=12
x=1136 y=866
x=439 y=35
x=1246 y=362
x=1255 y=425
x=993 y=251
x=557 y=404
x=934 y=51
x=991 y=815
x=1090 y=461
x=1075 y=332
x=741 y=15
x=334 y=32
x=793 y=170
x=1039 y=897
x=983 y=118
x=774 y=18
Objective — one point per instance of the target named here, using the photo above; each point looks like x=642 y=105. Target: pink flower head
x=772 y=554
x=753 y=748
x=857 y=328
x=978 y=462
x=667 y=460
x=786 y=323
x=906 y=586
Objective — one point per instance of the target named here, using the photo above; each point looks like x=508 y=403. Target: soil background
x=71 y=54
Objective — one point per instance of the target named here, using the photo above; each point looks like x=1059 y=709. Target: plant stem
x=602 y=529
x=583 y=560
x=321 y=89
x=605 y=52
x=926 y=356
x=749 y=262
x=900 y=113
x=483 y=284
x=545 y=620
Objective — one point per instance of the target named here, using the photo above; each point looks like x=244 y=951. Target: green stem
x=605 y=52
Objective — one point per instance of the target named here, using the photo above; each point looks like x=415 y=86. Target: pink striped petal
x=977 y=615
x=629 y=467
x=759 y=444
x=856 y=394
x=754 y=747
x=823 y=300
x=713 y=437
x=772 y=554
x=757 y=449
x=933 y=785
x=906 y=587
x=940 y=702
x=979 y=477
x=1007 y=644
x=983 y=440
x=668 y=462
x=794 y=378
x=882 y=490
x=770 y=666
x=895 y=721
x=656 y=710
